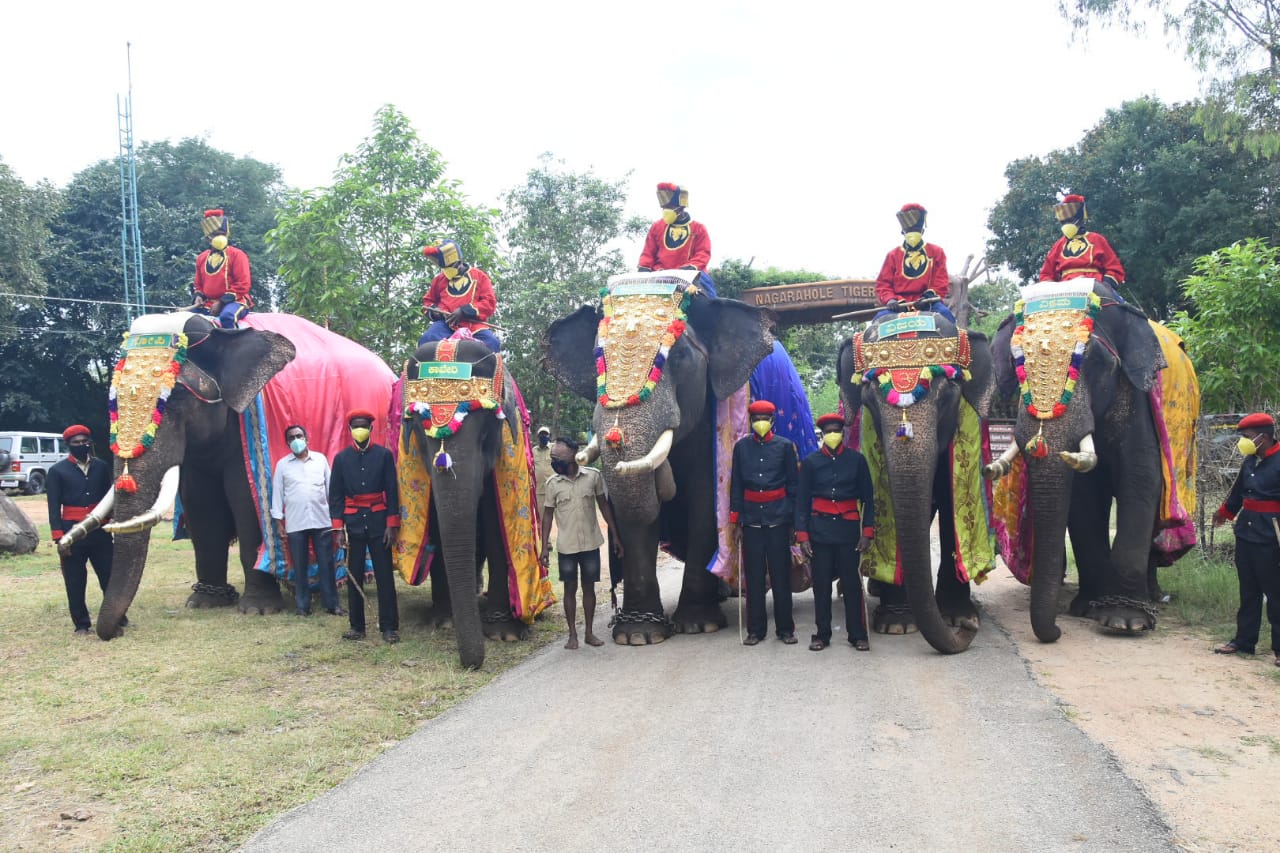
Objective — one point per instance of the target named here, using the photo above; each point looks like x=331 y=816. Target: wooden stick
x=867 y=313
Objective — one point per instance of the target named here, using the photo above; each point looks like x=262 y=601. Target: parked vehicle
x=26 y=457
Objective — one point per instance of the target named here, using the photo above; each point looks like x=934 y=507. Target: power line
x=90 y=301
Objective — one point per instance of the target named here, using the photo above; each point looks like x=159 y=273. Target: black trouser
x=383 y=574
x=832 y=562
x=1258 y=567
x=768 y=549
x=96 y=549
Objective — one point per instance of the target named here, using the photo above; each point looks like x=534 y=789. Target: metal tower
x=135 y=288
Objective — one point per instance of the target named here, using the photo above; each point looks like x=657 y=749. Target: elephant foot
x=639 y=628
x=1081 y=605
x=698 y=619
x=502 y=625
x=207 y=595
x=261 y=604
x=440 y=616
x=961 y=614
x=893 y=619
x=1125 y=620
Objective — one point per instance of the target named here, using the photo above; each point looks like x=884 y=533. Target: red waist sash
x=371 y=501
x=764 y=496
x=847 y=510
x=76 y=513
x=1261 y=506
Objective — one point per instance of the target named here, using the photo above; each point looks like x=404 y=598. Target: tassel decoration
x=1037 y=447
x=905 y=430
x=125 y=482
x=614 y=435
x=443 y=461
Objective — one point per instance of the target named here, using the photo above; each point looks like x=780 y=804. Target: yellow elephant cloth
x=975 y=536
x=527 y=580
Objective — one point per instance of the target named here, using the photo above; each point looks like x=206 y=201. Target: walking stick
x=351 y=579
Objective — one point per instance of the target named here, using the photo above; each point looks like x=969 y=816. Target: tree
x=1233 y=331
x=992 y=301
x=350 y=254
x=1156 y=188
x=560 y=228
x=1236 y=46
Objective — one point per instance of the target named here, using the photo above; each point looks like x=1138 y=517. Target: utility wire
x=90 y=301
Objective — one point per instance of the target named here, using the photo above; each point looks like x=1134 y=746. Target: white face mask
x=297 y=445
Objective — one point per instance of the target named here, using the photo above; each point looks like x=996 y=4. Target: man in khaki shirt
x=572 y=497
x=542 y=461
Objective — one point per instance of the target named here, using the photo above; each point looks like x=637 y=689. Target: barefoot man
x=571 y=498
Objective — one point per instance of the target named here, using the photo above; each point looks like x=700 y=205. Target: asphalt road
x=702 y=744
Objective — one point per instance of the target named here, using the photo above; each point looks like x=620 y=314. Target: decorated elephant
x=660 y=358
x=188 y=421
x=1106 y=418
x=466 y=494
x=926 y=386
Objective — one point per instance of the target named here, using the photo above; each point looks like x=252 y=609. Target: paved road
x=703 y=744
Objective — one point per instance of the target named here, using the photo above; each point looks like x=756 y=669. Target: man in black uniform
x=1254 y=504
x=762 y=490
x=832 y=531
x=74 y=486
x=365 y=499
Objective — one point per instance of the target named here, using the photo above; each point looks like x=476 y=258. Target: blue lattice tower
x=135 y=287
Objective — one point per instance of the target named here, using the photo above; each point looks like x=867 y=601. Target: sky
x=798 y=128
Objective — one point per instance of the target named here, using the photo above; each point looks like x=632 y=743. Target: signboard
x=1066 y=302
x=444 y=370
x=150 y=341
x=643 y=289
x=813 y=302
x=903 y=325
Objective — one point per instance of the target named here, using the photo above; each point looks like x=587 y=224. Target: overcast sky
x=799 y=128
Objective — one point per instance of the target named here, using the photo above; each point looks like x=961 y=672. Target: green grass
x=1206 y=595
x=198 y=727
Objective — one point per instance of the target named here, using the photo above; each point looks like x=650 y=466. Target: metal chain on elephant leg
x=494 y=616
x=217 y=590
x=1146 y=607
x=896 y=609
x=641 y=616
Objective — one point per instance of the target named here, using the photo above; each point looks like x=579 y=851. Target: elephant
x=451 y=517
x=917 y=461
x=1086 y=450
x=657 y=435
x=195 y=450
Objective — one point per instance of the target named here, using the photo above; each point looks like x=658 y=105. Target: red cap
x=1256 y=421
x=761 y=407
x=360 y=413
x=831 y=418
x=1073 y=199
x=209 y=213
x=74 y=430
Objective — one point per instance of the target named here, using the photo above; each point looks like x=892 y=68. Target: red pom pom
x=126 y=483
x=613 y=436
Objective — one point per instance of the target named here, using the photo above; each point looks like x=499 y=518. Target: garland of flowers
x=883 y=377
x=672 y=334
x=167 y=380
x=423 y=411
x=1082 y=333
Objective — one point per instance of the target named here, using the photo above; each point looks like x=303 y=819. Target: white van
x=26 y=457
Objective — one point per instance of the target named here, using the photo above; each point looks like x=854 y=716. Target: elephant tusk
x=1084 y=461
x=91 y=522
x=999 y=467
x=590 y=453
x=652 y=460
x=149 y=519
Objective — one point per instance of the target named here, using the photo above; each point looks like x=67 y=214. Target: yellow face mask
x=360 y=434
x=1069 y=230
x=1246 y=446
x=669 y=216
x=450 y=272
x=914 y=238
x=831 y=440
x=761 y=428
x=219 y=242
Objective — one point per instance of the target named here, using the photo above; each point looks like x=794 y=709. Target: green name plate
x=643 y=289
x=923 y=323
x=444 y=370
x=1072 y=302
x=150 y=341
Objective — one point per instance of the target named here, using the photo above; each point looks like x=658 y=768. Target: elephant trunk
x=457 y=500
x=132 y=540
x=1050 y=484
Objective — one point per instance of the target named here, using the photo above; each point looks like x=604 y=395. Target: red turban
x=761 y=407
x=355 y=414
x=830 y=419
x=1258 y=420
x=74 y=430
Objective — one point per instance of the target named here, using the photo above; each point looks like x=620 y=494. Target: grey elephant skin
x=920 y=481
x=465 y=528
x=1121 y=363
x=224 y=371
x=723 y=342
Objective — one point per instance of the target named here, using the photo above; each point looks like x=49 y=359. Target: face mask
x=360 y=434
x=219 y=242
x=298 y=445
x=914 y=238
x=560 y=466
x=761 y=428
x=80 y=451
x=831 y=440
x=669 y=216
x=544 y=440
x=1246 y=446
x=450 y=272
x=1070 y=229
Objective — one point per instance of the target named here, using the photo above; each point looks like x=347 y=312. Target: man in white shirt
x=300 y=506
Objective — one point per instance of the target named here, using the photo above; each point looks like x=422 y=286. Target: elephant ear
x=1006 y=380
x=737 y=338
x=850 y=391
x=510 y=412
x=240 y=361
x=1129 y=333
x=568 y=351
x=981 y=386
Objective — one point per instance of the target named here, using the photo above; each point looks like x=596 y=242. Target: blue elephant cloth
x=775 y=379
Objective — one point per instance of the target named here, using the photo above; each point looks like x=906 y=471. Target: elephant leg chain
x=639 y=616
x=227 y=591
x=896 y=609
x=1146 y=607
x=495 y=616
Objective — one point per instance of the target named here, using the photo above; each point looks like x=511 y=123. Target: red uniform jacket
x=670 y=247
x=1087 y=254
x=230 y=276
x=897 y=280
x=476 y=291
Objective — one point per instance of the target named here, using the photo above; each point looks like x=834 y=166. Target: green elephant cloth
x=975 y=535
